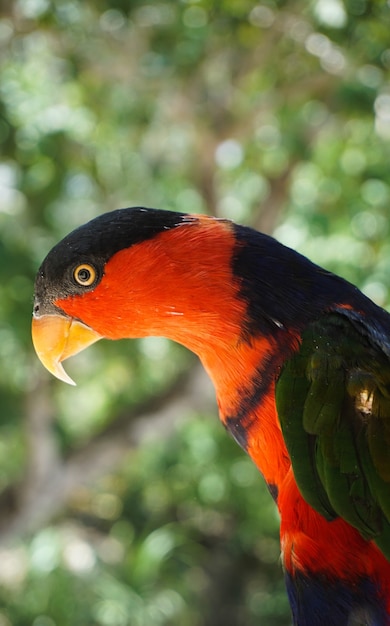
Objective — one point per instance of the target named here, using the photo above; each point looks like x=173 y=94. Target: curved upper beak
x=56 y=337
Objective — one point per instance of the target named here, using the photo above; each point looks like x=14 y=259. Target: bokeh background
x=123 y=501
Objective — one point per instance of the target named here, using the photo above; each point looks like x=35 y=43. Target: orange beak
x=56 y=337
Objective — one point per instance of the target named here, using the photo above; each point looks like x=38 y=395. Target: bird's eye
x=84 y=275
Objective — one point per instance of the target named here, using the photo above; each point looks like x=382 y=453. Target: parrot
x=300 y=362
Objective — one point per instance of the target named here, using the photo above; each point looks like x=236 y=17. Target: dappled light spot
x=244 y=473
x=45 y=551
x=262 y=16
x=370 y=75
x=231 y=207
x=33 y=9
x=376 y=291
x=14 y=567
x=229 y=154
x=364 y=225
x=353 y=161
x=111 y=551
x=106 y=506
x=382 y=111
x=12 y=201
x=212 y=487
x=269 y=136
x=331 y=57
x=78 y=555
x=112 y=20
x=111 y=613
x=330 y=13
x=375 y=192
x=155 y=348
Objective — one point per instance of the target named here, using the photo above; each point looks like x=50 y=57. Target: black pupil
x=84 y=275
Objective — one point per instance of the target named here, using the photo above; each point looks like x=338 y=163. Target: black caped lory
x=300 y=360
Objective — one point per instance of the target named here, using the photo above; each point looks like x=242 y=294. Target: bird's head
x=137 y=272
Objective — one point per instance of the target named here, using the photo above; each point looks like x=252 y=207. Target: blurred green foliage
x=157 y=543
x=275 y=114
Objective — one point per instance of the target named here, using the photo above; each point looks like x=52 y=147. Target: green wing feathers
x=333 y=401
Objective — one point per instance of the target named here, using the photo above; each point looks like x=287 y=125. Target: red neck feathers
x=180 y=285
